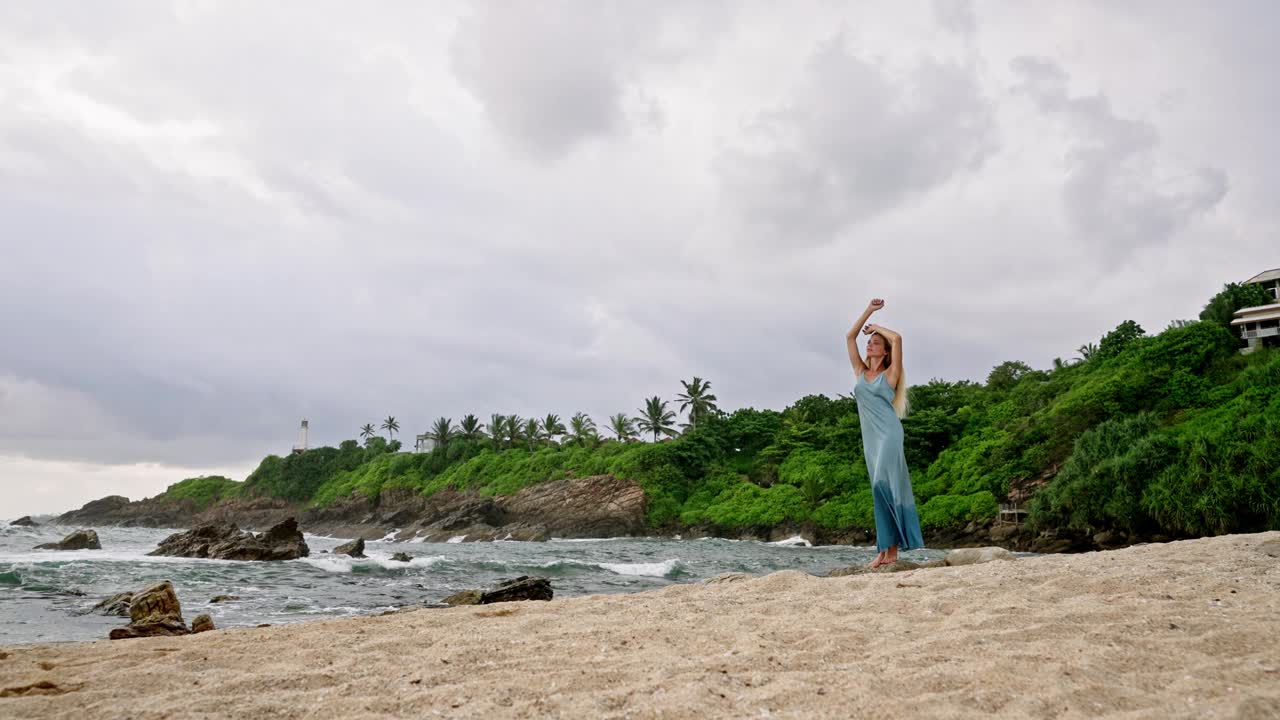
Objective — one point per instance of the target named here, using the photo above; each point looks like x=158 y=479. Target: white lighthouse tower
x=301 y=447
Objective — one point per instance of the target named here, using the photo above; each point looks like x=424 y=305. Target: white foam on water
x=391 y=536
x=344 y=564
x=588 y=540
x=660 y=569
x=793 y=541
x=456 y=539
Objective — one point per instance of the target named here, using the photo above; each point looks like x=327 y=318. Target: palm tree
x=1087 y=351
x=514 y=430
x=442 y=432
x=656 y=418
x=551 y=427
x=697 y=398
x=582 y=430
x=368 y=431
x=1058 y=364
x=532 y=433
x=497 y=429
x=391 y=426
x=623 y=427
x=470 y=427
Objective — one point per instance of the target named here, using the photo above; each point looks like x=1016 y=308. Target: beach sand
x=1186 y=629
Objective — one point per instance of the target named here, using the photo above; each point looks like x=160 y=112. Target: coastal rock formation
x=973 y=556
x=115 y=605
x=598 y=506
x=521 y=588
x=354 y=549
x=401 y=557
x=154 y=611
x=224 y=598
x=225 y=541
x=78 y=540
x=25 y=521
x=155 y=512
x=202 y=623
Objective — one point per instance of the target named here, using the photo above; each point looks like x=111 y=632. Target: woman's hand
x=874 y=305
x=869 y=328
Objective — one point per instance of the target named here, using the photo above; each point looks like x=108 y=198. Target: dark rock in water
x=115 y=605
x=78 y=540
x=354 y=549
x=25 y=521
x=224 y=598
x=522 y=588
x=401 y=557
x=202 y=623
x=154 y=611
x=225 y=541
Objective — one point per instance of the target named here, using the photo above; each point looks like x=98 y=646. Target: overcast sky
x=217 y=218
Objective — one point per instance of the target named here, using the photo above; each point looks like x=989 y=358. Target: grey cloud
x=553 y=75
x=1119 y=192
x=855 y=140
x=956 y=15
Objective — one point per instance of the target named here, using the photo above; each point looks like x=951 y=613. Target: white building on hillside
x=1260 y=325
x=423 y=443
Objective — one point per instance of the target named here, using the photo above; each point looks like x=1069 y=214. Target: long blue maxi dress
x=897 y=522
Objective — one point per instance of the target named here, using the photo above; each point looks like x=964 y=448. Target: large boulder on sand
x=522 y=588
x=354 y=549
x=78 y=540
x=202 y=623
x=154 y=611
x=225 y=541
x=973 y=556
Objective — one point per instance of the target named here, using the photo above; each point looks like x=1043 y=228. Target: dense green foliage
x=1234 y=296
x=202 y=491
x=1174 y=433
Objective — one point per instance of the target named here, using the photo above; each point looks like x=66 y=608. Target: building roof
x=1257 y=314
x=1264 y=276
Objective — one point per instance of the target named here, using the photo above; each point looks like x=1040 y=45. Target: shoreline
x=1183 y=629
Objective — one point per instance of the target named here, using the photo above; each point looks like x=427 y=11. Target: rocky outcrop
x=115 y=605
x=159 y=512
x=78 y=540
x=223 y=598
x=202 y=623
x=521 y=588
x=354 y=549
x=225 y=541
x=25 y=521
x=402 y=557
x=154 y=611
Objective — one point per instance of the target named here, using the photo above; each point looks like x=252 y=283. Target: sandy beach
x=1186 y=629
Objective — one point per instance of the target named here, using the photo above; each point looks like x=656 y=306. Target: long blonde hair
x=901 y=406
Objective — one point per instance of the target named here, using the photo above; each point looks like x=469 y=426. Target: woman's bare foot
x=878 y=561
x=890 y=556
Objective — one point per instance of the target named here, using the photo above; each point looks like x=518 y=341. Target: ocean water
x=46 y=595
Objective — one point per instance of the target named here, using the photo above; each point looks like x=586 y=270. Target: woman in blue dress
x=881 y=392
